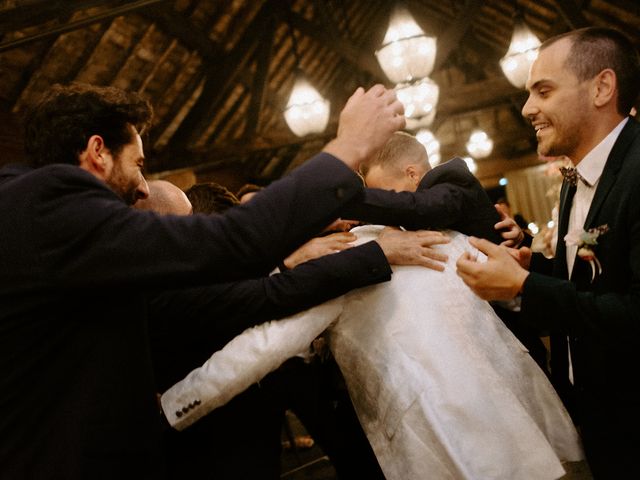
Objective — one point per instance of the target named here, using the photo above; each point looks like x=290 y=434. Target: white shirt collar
x=592 y=165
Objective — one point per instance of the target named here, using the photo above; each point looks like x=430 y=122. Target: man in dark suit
x=76 y=386
x=582 y=87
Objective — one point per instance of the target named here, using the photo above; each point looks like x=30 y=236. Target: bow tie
x=571 y=175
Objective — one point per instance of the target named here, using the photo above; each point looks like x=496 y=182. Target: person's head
x=247 y=192
x=165 y=198
x=399 y=166
x=211 y=198
x=582 y=84
x=96 y=128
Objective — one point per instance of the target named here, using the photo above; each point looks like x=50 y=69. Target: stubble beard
x=121 y=186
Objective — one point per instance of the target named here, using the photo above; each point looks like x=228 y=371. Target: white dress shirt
x=590 y=170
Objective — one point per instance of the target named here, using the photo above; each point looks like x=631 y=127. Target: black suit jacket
x=215 y=314
x=448 y=196
x=601 y=317
x=76 y=387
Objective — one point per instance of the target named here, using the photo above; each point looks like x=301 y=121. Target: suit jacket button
x=178 y=413
x=197 y=402
x=340 y=193
x=185 y=409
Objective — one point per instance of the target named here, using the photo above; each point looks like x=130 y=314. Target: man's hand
x=413 y=248
x=341 y=225
x=509 y=229
x=320 y=246
x=366 y=123
x=522 y=256
x=499 y=278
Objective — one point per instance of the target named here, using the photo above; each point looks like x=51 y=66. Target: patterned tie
x=571 y=175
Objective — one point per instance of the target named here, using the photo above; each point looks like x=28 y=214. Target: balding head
x=166 y=199
x=399 y=166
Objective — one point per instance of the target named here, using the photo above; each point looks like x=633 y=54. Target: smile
x=540 y=126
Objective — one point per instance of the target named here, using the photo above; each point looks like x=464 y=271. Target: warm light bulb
x=307 y=111
x=419 y=98
x=407 y=53
x=522 y=53
x=479 y=144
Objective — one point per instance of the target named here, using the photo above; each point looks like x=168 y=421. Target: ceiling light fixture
x=307 y=111
x=522 y=53
x=479 y=144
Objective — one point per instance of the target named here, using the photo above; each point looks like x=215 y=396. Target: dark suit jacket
x=448 y=196
x=215 y=314
x=76 y=387
x=602 y=318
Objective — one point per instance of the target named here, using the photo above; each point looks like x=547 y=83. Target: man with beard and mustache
x=581 y=90
x=76 y=384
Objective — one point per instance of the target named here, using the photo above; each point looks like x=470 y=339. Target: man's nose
x=529 y=109
x=142 y=191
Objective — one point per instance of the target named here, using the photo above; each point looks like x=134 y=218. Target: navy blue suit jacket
x=448 y=197
x=76 y=384
x=601 y=317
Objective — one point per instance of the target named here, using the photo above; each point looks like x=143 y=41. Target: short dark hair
x=59 y=125
x=210 y=198
x=595 y=49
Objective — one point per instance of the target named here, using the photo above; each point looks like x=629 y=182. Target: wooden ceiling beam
x=40 y=11
x=571 y=14
x=361 y=59
x=221 y=73
x=75 y=25
x=176 y=25
x=259 y=84
x=475 y=96
x=452 y=36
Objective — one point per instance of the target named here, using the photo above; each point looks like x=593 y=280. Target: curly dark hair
x=210 y=198
x=58 y=127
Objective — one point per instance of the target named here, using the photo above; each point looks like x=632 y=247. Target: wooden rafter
x=361 y=59
x=216 y=85
x=177 y=25
x=41 y=11
x=77 y=24
x=571 y=14
x=450 y=39
x=259 y=86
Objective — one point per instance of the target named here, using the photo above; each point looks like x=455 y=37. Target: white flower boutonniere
x=586 y=240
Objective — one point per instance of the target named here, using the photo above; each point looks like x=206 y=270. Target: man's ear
x=605 y=88
x=412 y=172
x=96 y=158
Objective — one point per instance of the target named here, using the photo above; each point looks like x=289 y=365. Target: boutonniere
x=586 y=240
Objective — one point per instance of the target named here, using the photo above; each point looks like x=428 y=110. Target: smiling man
x=581 y=90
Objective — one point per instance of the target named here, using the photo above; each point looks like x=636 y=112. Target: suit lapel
x=611 y=169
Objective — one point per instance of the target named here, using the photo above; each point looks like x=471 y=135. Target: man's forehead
x=550 y=63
